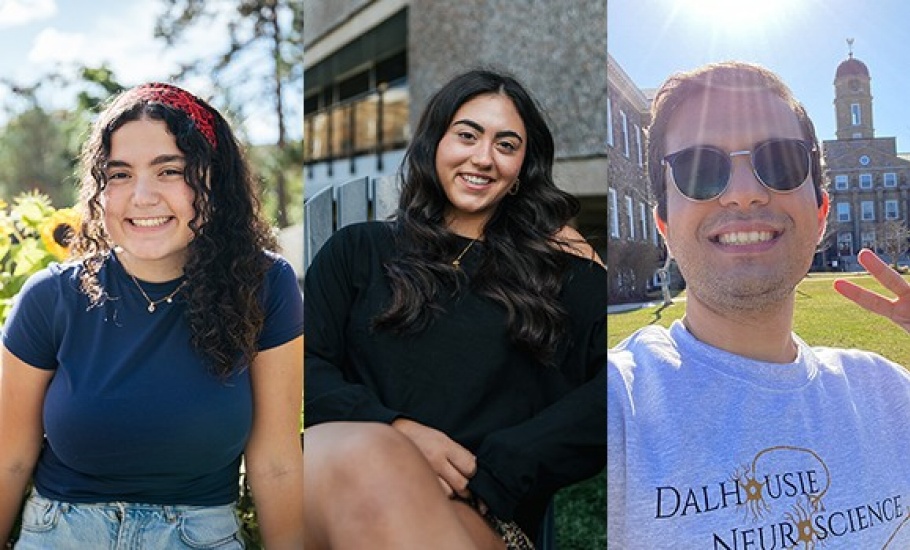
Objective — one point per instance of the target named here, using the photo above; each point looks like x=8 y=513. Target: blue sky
x=801 y=40
x=38 y=35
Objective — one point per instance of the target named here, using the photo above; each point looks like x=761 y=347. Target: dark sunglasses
x=702 y=173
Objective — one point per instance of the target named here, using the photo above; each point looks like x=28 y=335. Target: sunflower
x=58 y=231
x=31 y=208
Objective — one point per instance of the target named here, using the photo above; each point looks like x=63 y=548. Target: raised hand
x=454 y=465
x=897 y=309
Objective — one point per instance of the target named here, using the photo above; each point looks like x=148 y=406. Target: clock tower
x=853 y=98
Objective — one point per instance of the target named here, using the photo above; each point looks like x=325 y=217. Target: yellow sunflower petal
x=58 y=230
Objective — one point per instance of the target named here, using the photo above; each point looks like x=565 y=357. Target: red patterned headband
x=184 y=101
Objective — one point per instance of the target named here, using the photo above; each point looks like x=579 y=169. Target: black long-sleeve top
x=533 y=428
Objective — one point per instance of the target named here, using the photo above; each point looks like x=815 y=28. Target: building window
x=890 y=179
x=643 y=219
x=356 y=101
x=891 y=212
x=856 y=114
x=868 y=211
x=868 y=239
x=614 y=214
x=865 y=181
x=630 y=212
x=841 y=182
x=357 y=119
x=609 y=122
x=638 y=144
x=843 y=211
x=845 y=244
x=625 y=132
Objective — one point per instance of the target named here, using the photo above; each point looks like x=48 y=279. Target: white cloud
x=19 y=12
x=125 y=42
x=121 y=35
x=52 y=46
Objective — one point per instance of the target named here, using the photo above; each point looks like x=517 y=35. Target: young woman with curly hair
x=454 y=355
x=136 y=376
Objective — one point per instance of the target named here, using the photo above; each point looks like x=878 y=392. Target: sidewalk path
x=620 y=308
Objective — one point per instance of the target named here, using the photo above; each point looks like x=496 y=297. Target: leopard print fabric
x=511 y=533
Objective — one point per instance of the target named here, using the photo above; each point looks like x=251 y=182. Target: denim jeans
x=50 y=524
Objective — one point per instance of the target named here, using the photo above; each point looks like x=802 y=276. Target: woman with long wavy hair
x=136 y=376
x=454 y=354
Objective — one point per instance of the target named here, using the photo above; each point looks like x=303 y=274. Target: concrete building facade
x=371 y=65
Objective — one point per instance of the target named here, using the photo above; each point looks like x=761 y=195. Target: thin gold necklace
x=456 y=263
x=154 y=303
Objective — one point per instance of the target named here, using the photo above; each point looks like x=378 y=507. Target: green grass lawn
x=581 y=519
x=822 y=317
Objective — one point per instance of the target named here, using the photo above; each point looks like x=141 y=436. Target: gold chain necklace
x=456 y=263
x=154 y=303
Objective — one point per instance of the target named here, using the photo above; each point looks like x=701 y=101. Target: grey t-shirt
x=710 y=450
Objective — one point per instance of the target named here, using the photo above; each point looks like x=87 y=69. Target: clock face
x=855 y=85
x=864 y=160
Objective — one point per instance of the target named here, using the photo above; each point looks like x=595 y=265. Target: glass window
x=630 y=212
x=843 y=211
x=365 y=122
x=363 y=110
x=868 y=211
x=856 y=114
x=625 y=133
x=865 y=181
x=841 y=182
x=868 y=239
x=392 y=68
x=614 y=214
x=609 y=122
x=354 y=86
x=890 y=179
x=342 y=138
x=845 y=244
x=308 y=138
x=318 y=141
x=641 y=160
x=395 y=128
x=891 y=211
x=311 y=103
x=643 y=219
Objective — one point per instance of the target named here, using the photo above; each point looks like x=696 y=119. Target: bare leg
x=368 y=486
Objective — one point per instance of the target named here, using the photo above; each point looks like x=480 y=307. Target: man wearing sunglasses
x=727 y=431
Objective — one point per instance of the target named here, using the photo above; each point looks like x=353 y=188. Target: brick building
x=635 y=247
x=869 y=182
x=627 y=177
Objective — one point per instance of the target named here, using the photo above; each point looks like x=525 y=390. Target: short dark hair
x=734 y=76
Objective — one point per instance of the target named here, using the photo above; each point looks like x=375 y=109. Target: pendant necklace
x=154 y=303
x=456 y=263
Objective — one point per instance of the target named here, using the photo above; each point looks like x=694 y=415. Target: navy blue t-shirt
x=132 y=414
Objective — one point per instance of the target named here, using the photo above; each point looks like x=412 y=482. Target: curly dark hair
x=522 y=268
x=225 y=266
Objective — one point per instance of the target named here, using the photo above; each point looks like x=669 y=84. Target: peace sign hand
x=897 y=309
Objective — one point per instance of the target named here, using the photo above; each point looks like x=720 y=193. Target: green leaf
x=30 y=258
